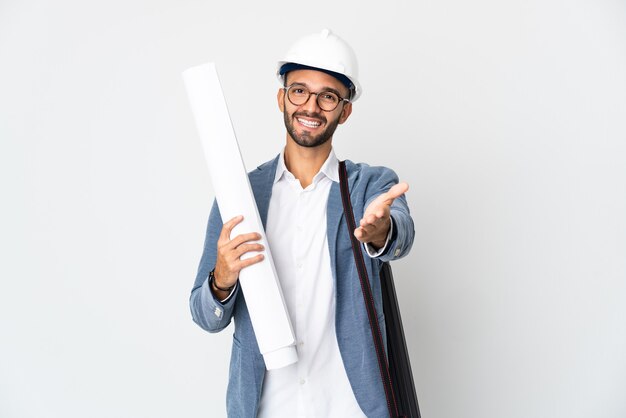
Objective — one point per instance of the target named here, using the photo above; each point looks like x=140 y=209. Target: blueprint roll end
x=280 y=358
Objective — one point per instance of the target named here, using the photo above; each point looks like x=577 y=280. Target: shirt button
x=299 y=265
x=302 y=381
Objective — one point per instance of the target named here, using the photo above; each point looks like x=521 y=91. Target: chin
x=308 y=141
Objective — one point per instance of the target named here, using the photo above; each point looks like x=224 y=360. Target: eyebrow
x=325 y=88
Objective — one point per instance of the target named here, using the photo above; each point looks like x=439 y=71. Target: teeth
x=309 y=124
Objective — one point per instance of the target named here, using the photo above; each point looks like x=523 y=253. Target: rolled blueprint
x=233 y=192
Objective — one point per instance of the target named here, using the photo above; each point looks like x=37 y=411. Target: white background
x=508 y=120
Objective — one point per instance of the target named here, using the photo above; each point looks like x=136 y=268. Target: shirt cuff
x=377 y=253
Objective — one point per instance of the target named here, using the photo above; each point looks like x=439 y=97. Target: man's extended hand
x=229 y=252
x=376 y=221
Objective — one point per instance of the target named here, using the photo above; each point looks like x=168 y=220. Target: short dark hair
x=292 y=66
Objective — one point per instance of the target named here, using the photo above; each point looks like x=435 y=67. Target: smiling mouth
x=309 y=123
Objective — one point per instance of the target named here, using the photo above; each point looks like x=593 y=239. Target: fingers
x=240 y=239
x=398 y=190
x=246 y=248
x=359 y=233
x=367 y=231
x=374 y=225
x=374 y=231
x=250 y=261
x=395 y=192
x=227 y=228
x=380 y=206
x=374 y=218
x=370 y=234
x=236 y=254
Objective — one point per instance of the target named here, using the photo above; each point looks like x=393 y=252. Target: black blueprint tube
x=397 y=352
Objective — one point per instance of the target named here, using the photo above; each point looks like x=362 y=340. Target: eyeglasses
x=326 y=100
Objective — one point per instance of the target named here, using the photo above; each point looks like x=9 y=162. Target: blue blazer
x=247 y=368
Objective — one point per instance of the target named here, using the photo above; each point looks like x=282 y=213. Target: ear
x=345 y=112
x=280 y=96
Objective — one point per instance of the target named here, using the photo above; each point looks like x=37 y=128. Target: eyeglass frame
x=341 y=99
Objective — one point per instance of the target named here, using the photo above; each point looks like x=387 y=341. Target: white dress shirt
x=317 y=385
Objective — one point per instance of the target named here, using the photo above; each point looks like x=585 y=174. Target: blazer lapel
x=334 y=216
x=262 y=181
x=334 y=213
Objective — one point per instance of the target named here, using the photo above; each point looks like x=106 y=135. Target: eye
x=299 y=91
x=329 y=97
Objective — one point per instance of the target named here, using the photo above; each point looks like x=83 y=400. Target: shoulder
x=268 y=165
x=366 y=182
x=363 y=175
x=263 y=173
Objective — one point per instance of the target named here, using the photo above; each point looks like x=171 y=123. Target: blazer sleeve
x=208 y=312
x=404 y=229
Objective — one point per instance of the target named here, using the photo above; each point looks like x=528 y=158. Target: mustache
x=311 y=115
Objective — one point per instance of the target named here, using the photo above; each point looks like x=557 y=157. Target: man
x=299 y=201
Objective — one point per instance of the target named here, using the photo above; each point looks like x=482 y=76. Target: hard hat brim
x=284 y=67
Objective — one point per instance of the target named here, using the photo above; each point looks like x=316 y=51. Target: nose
x=311 y=103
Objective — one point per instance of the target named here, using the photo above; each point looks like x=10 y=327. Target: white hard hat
x=324 y=51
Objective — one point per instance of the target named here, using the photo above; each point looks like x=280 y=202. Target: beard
x=307 y=139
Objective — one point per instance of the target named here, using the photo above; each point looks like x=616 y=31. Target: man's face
x=307 y=124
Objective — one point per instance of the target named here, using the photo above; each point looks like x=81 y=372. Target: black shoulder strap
x=367 y=293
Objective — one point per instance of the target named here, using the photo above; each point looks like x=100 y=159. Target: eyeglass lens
x=299 y=95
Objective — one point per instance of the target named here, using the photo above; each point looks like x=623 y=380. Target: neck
x=303 y=162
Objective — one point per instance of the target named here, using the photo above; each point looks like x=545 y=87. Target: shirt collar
x=330 y=168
